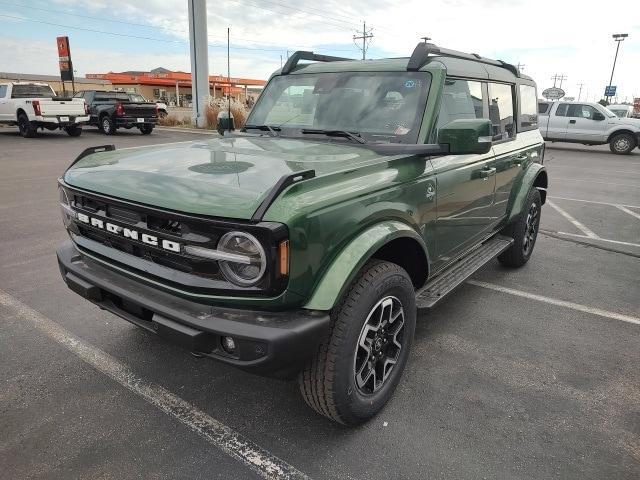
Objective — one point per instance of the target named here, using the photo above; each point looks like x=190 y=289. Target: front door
x=465 y=184
x=4 y=105
x=582 y=124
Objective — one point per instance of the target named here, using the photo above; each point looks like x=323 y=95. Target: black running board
x=438 y=288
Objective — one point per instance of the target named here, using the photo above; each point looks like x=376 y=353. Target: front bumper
x=267 y=343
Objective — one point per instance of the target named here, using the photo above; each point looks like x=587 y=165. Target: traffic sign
x=610 y=91
x=553 y=93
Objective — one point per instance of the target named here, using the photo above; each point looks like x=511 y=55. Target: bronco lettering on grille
x=129 y=233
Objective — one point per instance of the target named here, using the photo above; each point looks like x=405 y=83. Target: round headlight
x=248 y=268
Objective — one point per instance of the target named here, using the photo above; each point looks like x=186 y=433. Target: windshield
x=136 y=97
x=380 y=106
x=618 y=112
x=608 y=112
x=28 y=91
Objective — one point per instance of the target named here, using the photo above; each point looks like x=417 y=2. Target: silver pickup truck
x=589 y=124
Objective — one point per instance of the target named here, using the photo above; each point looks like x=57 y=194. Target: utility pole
x=618 y=37
x=199 y=59
x=580 y=92
x=426 y=39
x=366 y=37
x=557 y=77
x=521 y=67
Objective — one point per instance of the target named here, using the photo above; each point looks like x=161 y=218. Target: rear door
x=558 y=121
x=583 y=125
x=6 y=110
x=464 y=183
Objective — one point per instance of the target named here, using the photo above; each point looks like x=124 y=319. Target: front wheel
x=358 y=366
x=524 y=232
x=622 y=144
x=74 y=131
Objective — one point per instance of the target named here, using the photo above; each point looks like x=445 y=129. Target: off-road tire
x=328 y=382
x=74 y=131
x=622 y=144
x=27 y=130
x=107 y=125
x=521 y=249
x=146 y=129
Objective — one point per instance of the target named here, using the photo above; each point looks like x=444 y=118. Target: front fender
x=529 y=179
x=351 y=259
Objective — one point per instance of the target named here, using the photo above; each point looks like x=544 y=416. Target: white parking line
x=230 y=442
x=599 y=239
x=575 y=222
x=626 y=210
x=560 y=303
x=593 y=201
x=596 y=181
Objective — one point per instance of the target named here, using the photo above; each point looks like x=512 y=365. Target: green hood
x=224 y=177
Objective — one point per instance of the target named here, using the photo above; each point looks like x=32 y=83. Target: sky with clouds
x=569 y=37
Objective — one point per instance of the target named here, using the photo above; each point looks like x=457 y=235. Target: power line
x=366 y=37
x=140 y=37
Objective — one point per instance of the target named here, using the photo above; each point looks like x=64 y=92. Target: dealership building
x=174 y=88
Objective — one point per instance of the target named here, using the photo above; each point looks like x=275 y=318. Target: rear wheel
x=622 y=144
x=524 y=232
x=358 y=366
x=74 y=131
x=27 y=130
x=146 y=129
x=107 y=125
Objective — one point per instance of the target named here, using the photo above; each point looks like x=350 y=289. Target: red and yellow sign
x=64 y=59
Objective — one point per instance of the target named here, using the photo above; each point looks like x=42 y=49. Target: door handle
x=572 y=121
x=487 y=172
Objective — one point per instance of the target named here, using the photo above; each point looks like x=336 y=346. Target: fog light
x=228 y=344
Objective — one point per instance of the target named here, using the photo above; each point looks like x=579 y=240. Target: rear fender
x=348 y=263
x=536 y=175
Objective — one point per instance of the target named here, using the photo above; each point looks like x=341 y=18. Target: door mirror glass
x=598 y=116
x=466 y=136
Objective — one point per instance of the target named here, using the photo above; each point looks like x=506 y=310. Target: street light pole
x=618 y=37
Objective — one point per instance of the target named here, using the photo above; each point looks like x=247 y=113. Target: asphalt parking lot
x=528 y=374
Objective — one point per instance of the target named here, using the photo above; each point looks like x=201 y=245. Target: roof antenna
x=229 y=82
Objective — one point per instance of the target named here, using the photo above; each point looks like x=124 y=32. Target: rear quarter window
x=528 y=115
x=543 y=108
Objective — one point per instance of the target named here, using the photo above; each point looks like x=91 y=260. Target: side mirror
x=466 y=136
x=597 y=116
x=225 y=122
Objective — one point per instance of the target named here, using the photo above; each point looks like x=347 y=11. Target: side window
x=581 y=111
x=461 y=99
x=501 y=111
x=3 y=91
x=561 y=111
x=528 y=108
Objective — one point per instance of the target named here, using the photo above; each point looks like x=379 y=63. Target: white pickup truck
x=32 y=105
x=589 y=124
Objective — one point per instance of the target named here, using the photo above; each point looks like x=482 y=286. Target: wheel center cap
x=377 y=344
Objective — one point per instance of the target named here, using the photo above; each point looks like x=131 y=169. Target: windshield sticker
x=410 y=83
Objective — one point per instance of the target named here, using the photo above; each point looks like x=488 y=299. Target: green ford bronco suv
x=357 y=193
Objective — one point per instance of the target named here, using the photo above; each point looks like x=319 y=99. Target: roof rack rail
x=421 y=56
x=305 y=55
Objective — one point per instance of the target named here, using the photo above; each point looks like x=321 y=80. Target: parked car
x=162 y=107
x=305 y=243
x=589 y=124
x=32 y=106
x=622 y=111
x=110 y=110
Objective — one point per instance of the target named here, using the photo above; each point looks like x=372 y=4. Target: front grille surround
x=194 y=274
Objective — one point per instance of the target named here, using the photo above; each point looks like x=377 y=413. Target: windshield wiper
x=355 y=136
x=273 y=131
